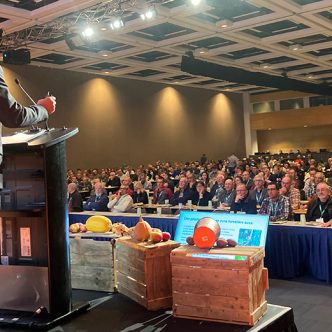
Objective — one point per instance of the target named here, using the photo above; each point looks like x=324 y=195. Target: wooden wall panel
x=314 y=116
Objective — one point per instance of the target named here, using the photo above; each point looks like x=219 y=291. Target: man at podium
x=13 y=115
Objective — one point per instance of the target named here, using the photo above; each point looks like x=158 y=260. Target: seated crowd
x=265 y=185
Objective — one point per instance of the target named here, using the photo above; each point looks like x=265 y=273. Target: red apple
x=156 y=237
x=222 y=243
x=83 y=228
x=231 y=243
x=190 y=240
x=166 y=236
x=74 y=228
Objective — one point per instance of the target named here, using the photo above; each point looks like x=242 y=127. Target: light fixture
x=105 y=53
x=201 y=51
x=117 y=24
x=305 y=126
x=310 y=76
x=106 y=72
x=224 y=24
x=295 y=47
x=196 y=2
x=148 y=14
x=87 y=32
x=264 y=66
x=270 y=129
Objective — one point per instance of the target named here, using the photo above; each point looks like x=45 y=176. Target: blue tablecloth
x=297 y=251
x=163 y=223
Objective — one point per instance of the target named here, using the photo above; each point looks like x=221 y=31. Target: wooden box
x=223 y=285
x=143 y=272
x=92 y=264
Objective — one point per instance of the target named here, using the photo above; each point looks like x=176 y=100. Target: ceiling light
x=264 y=66
x=106 y=72
x=87 y=32
x=148 y=14
x=305 y=126
x=117 y=24
x=103 y=29
x=201 y=51
x=105 y=53
x=311 y=77
x=196 y=2
x=295 y=47
x=224 y=24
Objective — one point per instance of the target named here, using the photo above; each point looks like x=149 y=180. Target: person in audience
x=237 y=180
x=103 y=176
x=289 y=191
x=259 y=193
x=113 y=181
x=126 y=181
x=139 y=195
x=247 y=180
x=75 y=202
x=205 y=179
x=242 y=202
x=122 y=202
x=291 y=172
x=232 y=162
x=227 y=196
x=165 y=176
x=218 y=187
x=202 y=197
x=183 y=193
x=191 y=181
x=98 y=200
x=147 y=185
x=275 y=205
x=309 y=184
x=160 y=193
x=320 y=209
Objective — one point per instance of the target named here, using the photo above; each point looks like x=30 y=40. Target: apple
x=83 y=228
x=166 y=236
x=190 y=240
x=74 y=228
x=156 y=237
x=222 y=243
x=231 y=243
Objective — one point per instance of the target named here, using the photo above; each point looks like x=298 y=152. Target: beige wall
x=313 y=138
x=133 y=122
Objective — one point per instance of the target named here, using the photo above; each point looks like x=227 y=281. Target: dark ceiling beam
x=236 y=75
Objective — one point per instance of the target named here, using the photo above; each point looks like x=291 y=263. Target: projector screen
x=245 y=229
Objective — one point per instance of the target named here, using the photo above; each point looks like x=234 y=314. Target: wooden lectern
x=35 y=264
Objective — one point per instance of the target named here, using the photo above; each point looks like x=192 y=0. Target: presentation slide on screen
x=245 y=229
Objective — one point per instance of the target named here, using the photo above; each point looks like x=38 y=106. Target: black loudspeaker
x=17 y=57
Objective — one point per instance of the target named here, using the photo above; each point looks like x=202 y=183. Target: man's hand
x=48 y=103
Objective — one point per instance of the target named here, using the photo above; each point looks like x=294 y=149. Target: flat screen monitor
x=245 y=229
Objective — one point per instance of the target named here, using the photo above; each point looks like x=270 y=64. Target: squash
x=98 y=224
x=142 y=230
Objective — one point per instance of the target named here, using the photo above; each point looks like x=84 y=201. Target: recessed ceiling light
x=270 y=129
x=224 y=24
x=295 y=47
x=305 y=126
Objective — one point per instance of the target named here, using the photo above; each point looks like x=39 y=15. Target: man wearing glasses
x=243 y=203
x=275 y=205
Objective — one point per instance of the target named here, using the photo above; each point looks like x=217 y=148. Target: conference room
x=153 y=86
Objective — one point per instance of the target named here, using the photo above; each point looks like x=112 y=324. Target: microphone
x=33 y=128
x=19 y=84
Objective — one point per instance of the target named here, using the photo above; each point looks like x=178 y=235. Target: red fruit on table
x=156 y=237
x=190 y=240
x=74 y=228
x=83 y=228
x=166 y=236
x=222 y=243
x=231 y=243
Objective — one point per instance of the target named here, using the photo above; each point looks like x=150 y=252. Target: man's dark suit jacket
x=14 y=115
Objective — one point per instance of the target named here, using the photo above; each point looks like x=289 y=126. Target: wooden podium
x=35 y=264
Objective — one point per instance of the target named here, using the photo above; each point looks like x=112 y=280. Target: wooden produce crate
x=143 y=272
x=223 y=285
x=92 y=264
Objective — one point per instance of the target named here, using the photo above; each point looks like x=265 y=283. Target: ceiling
x=282 y=37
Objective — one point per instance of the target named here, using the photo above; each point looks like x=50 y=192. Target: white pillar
x=250 y=135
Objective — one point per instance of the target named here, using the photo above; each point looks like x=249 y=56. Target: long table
x=164 y=222
x=292 y=249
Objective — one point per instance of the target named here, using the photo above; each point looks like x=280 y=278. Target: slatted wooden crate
x=92 y=264
x=143 y=272
x=223 y=285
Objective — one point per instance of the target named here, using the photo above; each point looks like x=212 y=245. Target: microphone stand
x=33 y=128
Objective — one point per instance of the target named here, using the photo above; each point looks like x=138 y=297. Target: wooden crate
x=92 y=264
x=143 y=272
x=223 y=285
